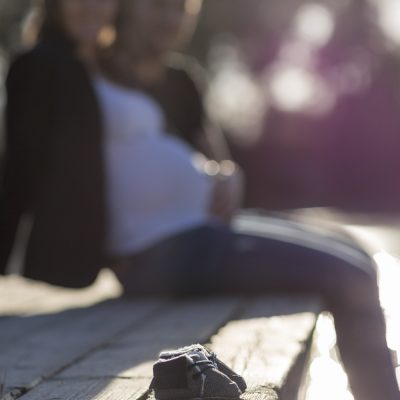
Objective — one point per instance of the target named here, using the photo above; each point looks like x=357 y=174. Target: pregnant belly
x=156 y=173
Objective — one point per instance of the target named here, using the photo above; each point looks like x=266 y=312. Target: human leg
x=186 y=264
x=286 y=257
x=275 y=257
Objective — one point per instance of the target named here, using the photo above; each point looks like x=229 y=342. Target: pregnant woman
x=103 y=153
x=163 y=236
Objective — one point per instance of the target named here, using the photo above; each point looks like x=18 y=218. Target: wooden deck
x=91 y=344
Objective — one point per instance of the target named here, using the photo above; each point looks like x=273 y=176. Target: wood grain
x=264 y=343
x=88 y=344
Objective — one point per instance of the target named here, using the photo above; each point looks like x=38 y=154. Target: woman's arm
x=227 y=195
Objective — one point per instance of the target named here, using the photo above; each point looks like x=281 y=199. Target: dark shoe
x=191 y=376
x=222 y=367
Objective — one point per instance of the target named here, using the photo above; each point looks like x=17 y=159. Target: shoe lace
x=203 y=365
x=213 y=358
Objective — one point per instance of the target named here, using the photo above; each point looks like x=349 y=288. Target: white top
x=154 y=185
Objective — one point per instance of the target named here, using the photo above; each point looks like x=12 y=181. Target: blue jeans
x=272 y=255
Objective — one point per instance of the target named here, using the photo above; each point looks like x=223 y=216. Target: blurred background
x=308 y=94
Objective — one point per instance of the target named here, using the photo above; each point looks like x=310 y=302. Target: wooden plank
x=131 y=356
x=39 y=305
x=116 y=388
x=264 y=343
x=259 y=393
x=65 y=337
x=20 y=296
x=247 y=344
x=84 y=389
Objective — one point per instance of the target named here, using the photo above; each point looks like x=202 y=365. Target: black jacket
x=53 y=167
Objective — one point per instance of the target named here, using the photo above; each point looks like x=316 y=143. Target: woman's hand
x=227 y=195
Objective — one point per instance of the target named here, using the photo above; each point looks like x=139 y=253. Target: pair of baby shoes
x=194 y=373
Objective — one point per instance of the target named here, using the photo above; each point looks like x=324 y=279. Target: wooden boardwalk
x=91 y=344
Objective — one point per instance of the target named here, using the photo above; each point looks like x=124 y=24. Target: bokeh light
x=294 y=89
x=234 y=97
x=389 y=18
x=314 y=24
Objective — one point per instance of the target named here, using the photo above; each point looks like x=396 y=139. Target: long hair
x=45 y=22
x=50 y=19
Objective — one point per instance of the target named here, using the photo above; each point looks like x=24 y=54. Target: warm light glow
x=376 y=238
x=326 y=335
x=332 y=381
x=328 y=380
x=389 y=278
x=314 y=24
x=389 y=18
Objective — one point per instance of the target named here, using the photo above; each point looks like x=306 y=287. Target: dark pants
x=270 y=255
